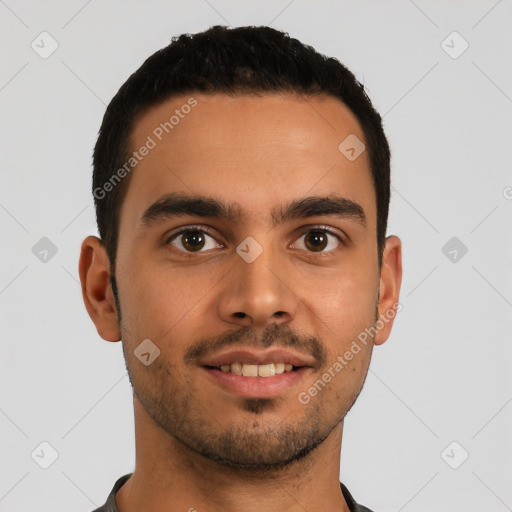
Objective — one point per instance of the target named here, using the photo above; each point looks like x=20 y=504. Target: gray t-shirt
x=110 y=505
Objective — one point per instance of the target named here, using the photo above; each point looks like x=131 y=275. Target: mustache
x=273 y=336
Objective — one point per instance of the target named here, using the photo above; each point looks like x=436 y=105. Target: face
x=247 y=243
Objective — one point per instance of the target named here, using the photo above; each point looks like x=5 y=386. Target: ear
x=389 y=288
x=94 y=270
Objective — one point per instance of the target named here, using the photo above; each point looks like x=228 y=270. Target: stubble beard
x=254 y=448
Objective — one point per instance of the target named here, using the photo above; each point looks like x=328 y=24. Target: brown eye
x=318 y=240
x=192 y=240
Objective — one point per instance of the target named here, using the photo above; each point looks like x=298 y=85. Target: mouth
x=266 y=375
x=255 y=370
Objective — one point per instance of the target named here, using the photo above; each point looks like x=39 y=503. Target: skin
x=255 y=153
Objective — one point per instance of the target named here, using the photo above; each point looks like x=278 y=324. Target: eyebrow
x=179 y=204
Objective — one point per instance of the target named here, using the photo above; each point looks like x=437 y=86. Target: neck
x=169 y=476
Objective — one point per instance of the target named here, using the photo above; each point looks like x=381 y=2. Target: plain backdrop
x=431 y=429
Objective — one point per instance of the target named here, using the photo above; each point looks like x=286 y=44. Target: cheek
x=345 y=302
x=157 y=300
x=344 y=310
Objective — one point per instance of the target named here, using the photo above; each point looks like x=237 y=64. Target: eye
x=196 y=239
x=192 y=239
x=317 y=239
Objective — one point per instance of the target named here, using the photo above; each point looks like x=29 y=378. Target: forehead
x=254 y=152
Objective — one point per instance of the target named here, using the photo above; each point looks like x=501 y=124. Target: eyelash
x=206 y=230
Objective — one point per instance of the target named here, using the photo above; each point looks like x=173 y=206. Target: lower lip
x=257 y=387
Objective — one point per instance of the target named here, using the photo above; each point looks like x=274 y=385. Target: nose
x=259 y=293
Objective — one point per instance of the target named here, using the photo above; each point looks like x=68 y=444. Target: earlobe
x=94 y=270
x=389 y=288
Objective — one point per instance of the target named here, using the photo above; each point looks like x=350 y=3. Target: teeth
x=236 y=368
x=250 y=370
x=256 y=370
x=279 y=368
x=266 y=370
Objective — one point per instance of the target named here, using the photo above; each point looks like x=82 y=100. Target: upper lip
x=252 y=357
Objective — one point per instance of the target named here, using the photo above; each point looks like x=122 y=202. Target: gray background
x=443 y=376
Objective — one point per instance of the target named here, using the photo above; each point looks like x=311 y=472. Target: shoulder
x=110 y=505
x=351 y=502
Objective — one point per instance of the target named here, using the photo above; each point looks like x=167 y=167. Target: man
x=241 y=183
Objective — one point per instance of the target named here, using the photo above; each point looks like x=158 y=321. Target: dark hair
x=240 y=60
